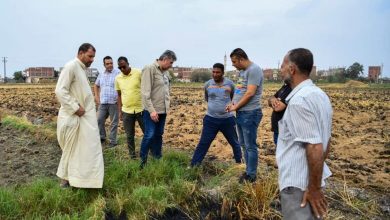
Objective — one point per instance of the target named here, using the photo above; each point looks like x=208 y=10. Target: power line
x=5 y=69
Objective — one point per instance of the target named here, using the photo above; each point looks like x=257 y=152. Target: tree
x=172 y=76
x=354 y=71
x=56 y=73
x=200 y=76
x=18 y=75
x=336 y=75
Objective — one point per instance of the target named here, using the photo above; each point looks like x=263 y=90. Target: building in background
x=92 y=73
x=34 y=74
x=183 y=74
x=374 y=72
x=271 y=74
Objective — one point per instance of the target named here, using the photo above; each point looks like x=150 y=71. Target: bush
x=200 y=76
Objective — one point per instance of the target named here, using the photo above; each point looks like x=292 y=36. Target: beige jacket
x=155 y=89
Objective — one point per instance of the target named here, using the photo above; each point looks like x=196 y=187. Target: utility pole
x=224 y=61
x=5 y=69
x=380 y=73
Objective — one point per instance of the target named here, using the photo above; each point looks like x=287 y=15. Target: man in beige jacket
x=155 y=101
x=81 y=163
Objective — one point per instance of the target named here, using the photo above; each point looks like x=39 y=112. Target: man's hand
x=231 y=107
x=120 y=115
x=317 y=201
x=154 y=116
x=80 y=112
x=97 y=101
x=278 y=105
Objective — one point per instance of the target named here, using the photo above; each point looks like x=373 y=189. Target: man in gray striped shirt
x=304 y=141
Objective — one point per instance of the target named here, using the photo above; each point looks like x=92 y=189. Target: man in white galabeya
x=304 y=141
x=81 y=163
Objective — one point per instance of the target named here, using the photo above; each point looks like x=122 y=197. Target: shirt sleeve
x=68 y=102
x=206 y=94
x=116 y=86
x=233 y=87
x=304 y=125
x=97 y=82
x=146 y=88
x=255 y=76
x=285 y=91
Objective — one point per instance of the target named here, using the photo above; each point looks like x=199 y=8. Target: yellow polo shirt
x=130 y=88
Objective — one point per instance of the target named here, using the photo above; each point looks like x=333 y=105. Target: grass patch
x=18 y=123
x=9 y=206
x=353 y=201
x=163 y=189
x=40 y=132
x=166 y=184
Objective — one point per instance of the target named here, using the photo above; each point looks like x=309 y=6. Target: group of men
x=301 y=121
x=127 y=94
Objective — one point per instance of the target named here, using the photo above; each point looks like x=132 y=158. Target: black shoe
x=246 y=178
x=64 y=184
x=142 y=165
x=102 y=140
x=132 y=154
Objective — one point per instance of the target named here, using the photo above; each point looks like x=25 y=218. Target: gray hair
x=168 y=54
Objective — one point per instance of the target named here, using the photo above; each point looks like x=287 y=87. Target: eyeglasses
x=121 y=67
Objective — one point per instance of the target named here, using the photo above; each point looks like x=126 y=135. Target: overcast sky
x=338 y=32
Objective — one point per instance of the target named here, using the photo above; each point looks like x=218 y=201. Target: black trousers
x=129 y=124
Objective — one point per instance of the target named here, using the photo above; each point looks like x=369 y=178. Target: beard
x=287 y=80
x=88 y=64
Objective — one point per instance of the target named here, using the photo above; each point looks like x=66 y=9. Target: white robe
x=82 y=159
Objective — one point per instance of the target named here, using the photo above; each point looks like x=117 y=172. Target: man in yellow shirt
x=128 y=86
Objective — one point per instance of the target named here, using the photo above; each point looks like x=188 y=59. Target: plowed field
x=360 y=137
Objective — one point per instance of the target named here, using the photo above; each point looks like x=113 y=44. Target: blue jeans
x=152 y=139
x=276 y=135
x=247 y=124
x=211 y=127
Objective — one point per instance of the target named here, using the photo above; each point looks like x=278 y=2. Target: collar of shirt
x=220 y=84
x=128 y=75
x=81 y=63
x=114 y=71
x=157 y=66
x=304 y=83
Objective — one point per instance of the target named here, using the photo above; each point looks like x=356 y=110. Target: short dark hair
x=85 y=47
x=168 y=54
x=303 y=58
x=107 y=58
x=124 y=59
x=239 y=53
x=220 y=66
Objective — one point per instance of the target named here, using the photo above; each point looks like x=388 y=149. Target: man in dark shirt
x=278 y=104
